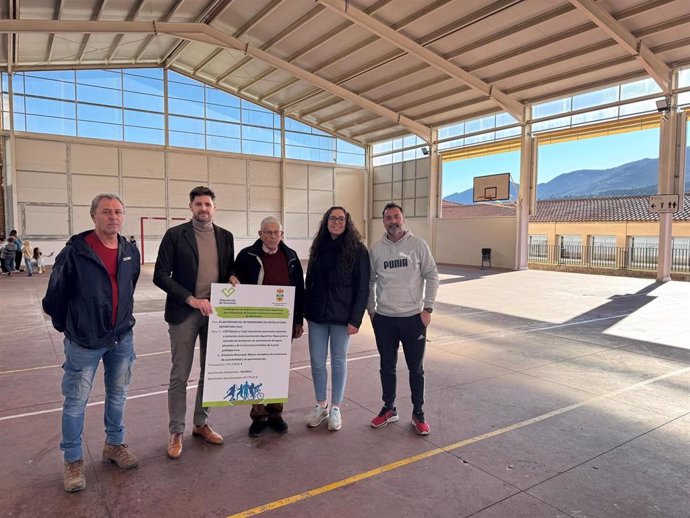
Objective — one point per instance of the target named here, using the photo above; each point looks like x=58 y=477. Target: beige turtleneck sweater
x=208 y=259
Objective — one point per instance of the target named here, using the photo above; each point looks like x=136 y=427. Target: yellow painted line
x=446 y=449
x=335 y=485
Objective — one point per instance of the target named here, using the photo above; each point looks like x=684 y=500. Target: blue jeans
x=77 y=381
x=9 y=264
x=319 y=335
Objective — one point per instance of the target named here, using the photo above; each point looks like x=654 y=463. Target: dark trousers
x=390 y=332
x=266 y=412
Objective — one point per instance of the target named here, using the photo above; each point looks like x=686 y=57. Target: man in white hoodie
x=402 y=292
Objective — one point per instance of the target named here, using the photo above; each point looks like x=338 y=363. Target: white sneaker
x=317 y=416
x=335 y=421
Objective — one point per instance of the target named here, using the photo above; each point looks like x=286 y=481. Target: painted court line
x=441 y=337
x=95 y=403
x=139 y=396
x=444 y=449
x=302 y=367
x=30 y=369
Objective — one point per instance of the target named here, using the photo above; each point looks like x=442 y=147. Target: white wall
x=459 y=241
x=58 y=177
x=406 y=183
x=418 y=226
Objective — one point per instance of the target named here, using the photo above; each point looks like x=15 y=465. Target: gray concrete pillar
x=672 y=142
x=526 y=195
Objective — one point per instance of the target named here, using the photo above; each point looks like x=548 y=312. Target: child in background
x=8 y=255
x=27 y=254
x=40 y=259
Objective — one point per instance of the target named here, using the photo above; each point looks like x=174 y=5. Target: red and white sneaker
x=420 y=425
x=386 y=415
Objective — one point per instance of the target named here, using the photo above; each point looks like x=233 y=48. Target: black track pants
x=389 y=332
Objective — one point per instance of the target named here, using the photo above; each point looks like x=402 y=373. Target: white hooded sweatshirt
x=404 y=278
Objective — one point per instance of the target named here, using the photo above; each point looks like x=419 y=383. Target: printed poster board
x=248 y=347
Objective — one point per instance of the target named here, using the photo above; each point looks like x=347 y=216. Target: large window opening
x=603 y=164
x=129 y=105
x=458 y=175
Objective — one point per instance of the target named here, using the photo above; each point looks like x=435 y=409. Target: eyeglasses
x=272 y=232
x=334 y=219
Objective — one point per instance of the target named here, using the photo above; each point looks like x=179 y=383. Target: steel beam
x=654 y=66
x=383 y=31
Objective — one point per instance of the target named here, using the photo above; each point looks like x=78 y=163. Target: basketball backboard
x=492 y=187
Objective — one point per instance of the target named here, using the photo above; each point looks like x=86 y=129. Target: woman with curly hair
x=337 y=289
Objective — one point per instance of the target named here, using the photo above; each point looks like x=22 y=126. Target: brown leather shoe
x=175 y=446
x=208 y=434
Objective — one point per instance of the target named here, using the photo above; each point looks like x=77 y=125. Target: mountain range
x=638 y=177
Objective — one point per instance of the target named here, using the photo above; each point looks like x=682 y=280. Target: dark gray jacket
x=79 y=298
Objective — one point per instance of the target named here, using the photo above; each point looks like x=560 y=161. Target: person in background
x=27 y=253
x=90 y=298
x=337 y=289
x=40 y=260
x=9 y=254
x=403 y=287
x=133 y=240
x=3 y=242
x=18 y=253
x=269 y=261
x=191 y=256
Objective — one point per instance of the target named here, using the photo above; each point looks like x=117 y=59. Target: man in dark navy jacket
x=90 y=298
x=270 y=261
x=191 y=257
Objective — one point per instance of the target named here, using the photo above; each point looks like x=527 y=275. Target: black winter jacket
x=250 y=270
x=79 y=296
x=334 y=296
x=178 y=263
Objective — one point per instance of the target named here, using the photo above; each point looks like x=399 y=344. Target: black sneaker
x=256 y=428
x=278 y=424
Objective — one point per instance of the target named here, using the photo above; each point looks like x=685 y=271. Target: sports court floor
x=548 y=394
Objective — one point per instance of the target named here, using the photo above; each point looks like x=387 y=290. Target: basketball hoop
x=491 y=188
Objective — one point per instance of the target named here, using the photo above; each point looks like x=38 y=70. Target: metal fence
x=630 y=258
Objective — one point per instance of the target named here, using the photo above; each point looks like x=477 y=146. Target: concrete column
x=671 y=180
x=369 y=193
x=434 y=193
x=283 y=173
x=526 y=194
x=10 y=173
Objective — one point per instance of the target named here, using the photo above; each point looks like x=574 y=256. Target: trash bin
x=486 y=257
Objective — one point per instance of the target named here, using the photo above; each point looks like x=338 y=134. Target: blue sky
x=556 y=159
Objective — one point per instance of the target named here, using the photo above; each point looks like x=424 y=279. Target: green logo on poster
x=228 y=291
